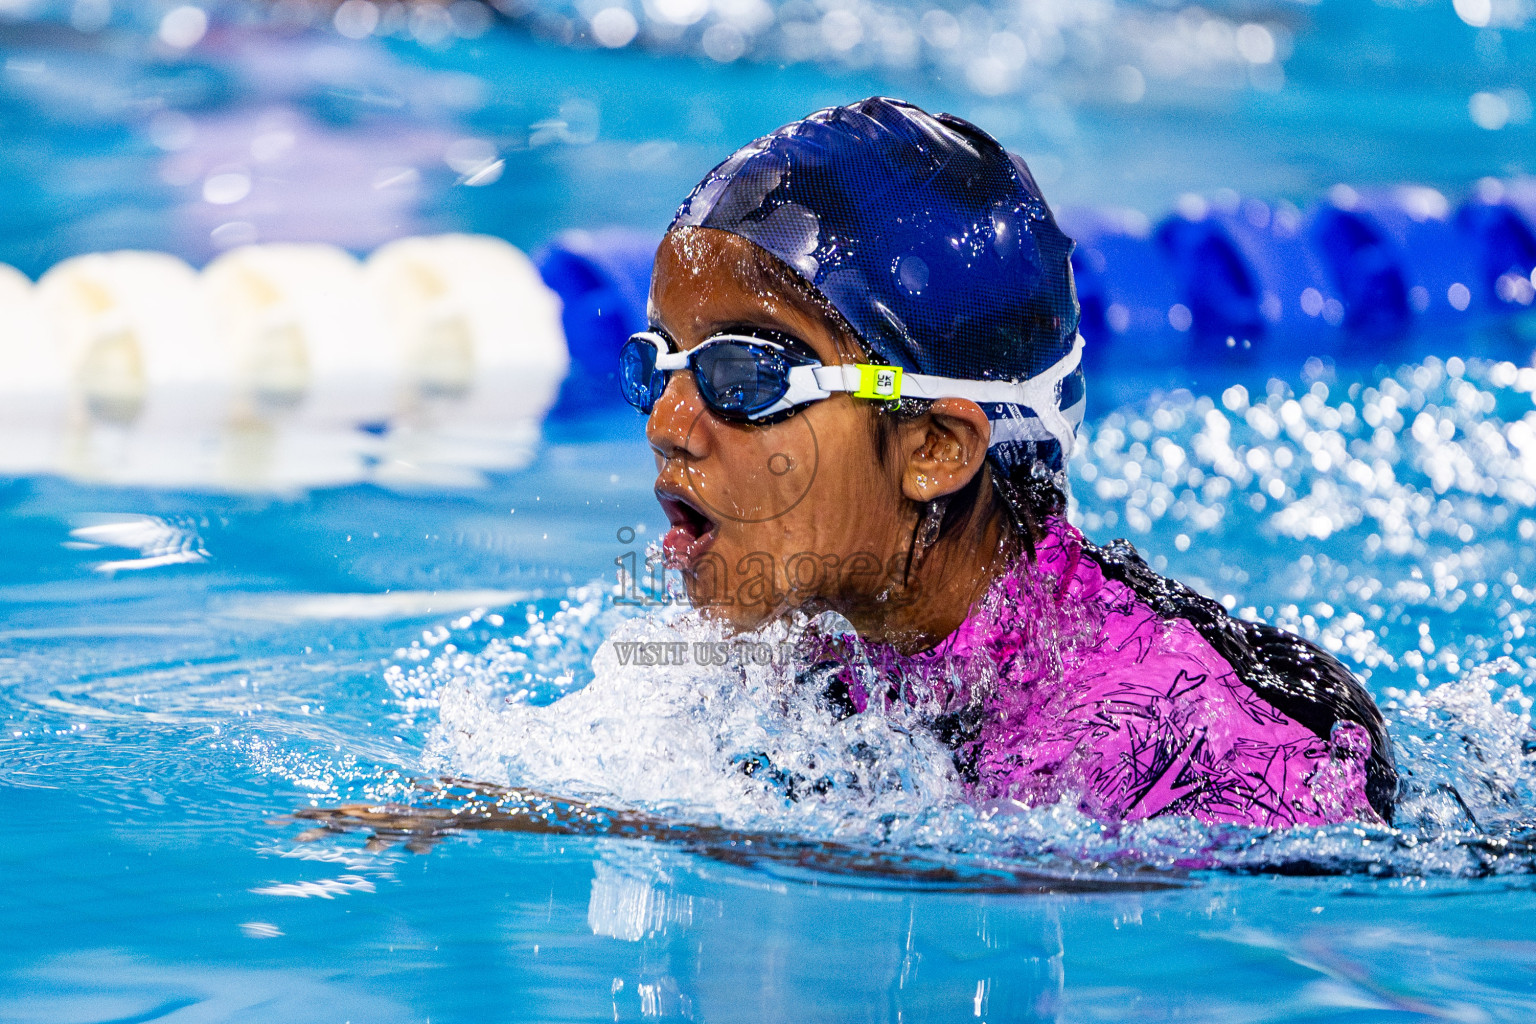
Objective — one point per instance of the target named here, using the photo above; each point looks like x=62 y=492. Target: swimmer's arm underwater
x=458 y=806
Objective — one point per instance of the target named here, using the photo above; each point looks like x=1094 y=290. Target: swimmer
x=863 y=379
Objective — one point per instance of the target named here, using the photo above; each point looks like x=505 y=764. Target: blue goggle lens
x=736 y=379
x=639 y=379
x=739 y=379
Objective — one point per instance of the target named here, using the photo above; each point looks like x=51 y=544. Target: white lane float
x=143 y=398
x=301 y=350
x=474 y=335
x=280 y=366
x=32 y=385
x=296 y=323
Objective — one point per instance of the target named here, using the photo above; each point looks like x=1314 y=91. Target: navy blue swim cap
x=932 y=241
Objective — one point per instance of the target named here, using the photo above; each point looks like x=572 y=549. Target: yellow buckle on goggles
x=878 y=382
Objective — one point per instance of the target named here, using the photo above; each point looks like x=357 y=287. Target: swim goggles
x=749 y=379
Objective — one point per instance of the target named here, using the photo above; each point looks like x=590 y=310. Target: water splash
x=741 y=745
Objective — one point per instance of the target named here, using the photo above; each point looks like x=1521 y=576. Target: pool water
x=183 y=673
x=203 y=694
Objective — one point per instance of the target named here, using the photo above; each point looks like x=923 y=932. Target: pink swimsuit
x=1068 y=683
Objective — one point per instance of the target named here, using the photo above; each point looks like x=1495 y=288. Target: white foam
x=677 y=737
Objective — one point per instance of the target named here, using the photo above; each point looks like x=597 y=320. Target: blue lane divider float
x=1249 y=281
x=1500 y=220
x=1398 y=259
x=1244 y=285
x=1126 y=287
x=603 y=279
x=1254 y=286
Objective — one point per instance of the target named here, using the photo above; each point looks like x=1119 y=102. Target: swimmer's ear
x=944 y=448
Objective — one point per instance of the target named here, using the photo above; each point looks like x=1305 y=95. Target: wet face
x=802 y=512
x=815 y=509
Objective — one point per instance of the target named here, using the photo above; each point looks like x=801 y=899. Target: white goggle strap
x=1039 y=393
x=664 y=360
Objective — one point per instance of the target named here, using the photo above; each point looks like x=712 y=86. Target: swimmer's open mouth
x=691 y=532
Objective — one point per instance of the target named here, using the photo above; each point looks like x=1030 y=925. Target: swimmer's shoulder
x=1295 y=677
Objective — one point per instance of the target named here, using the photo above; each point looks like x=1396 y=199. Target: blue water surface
x=189 y=681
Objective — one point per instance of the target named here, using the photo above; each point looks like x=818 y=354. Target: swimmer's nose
x=679 y=423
